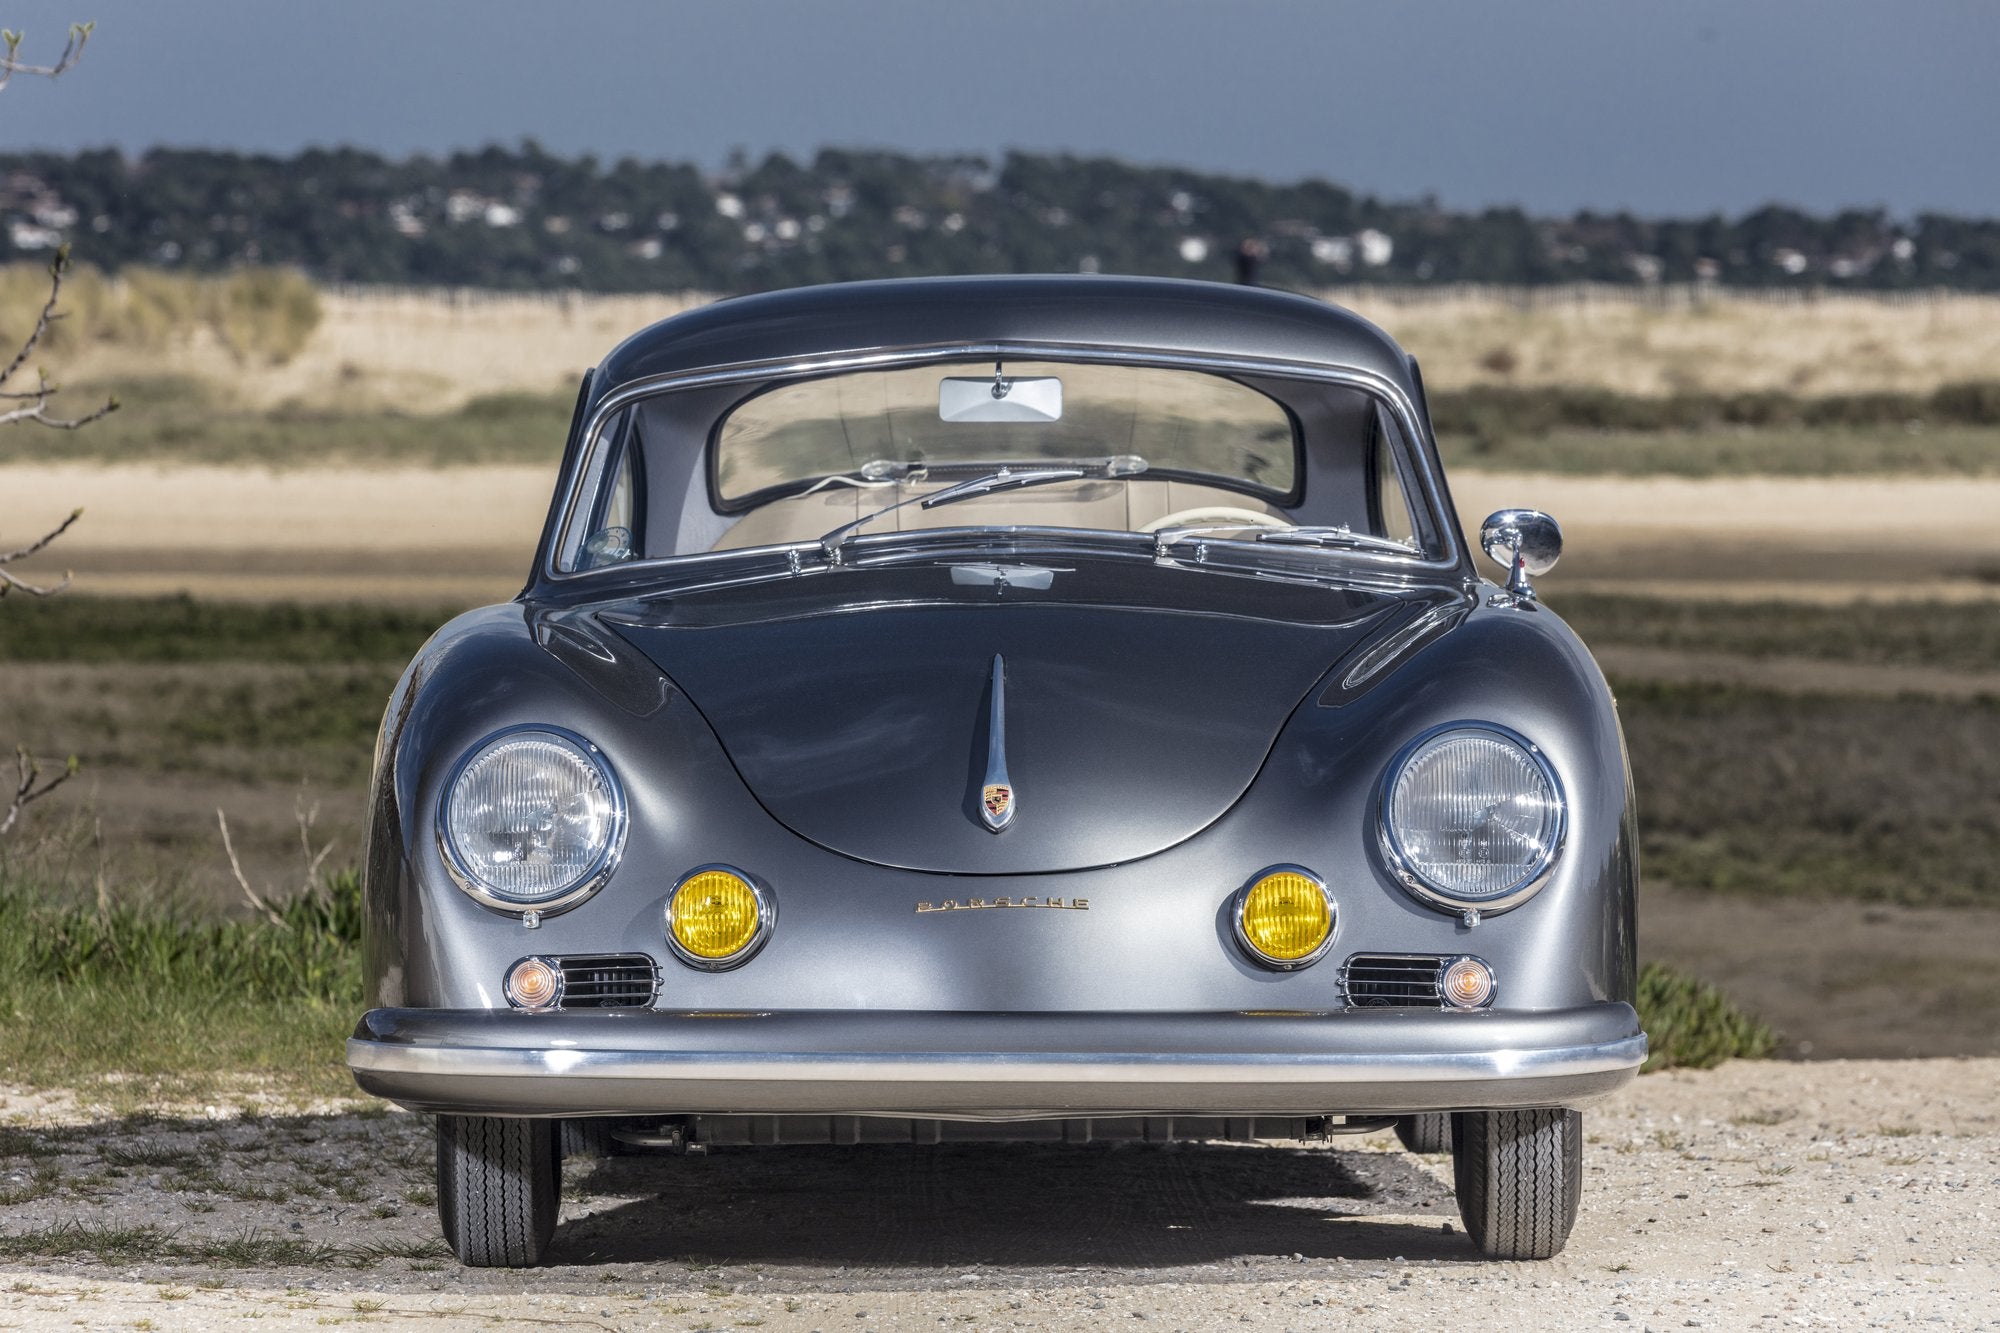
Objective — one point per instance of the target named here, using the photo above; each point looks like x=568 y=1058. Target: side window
x=1389 y=503
x=604 y=528
x=613 y=536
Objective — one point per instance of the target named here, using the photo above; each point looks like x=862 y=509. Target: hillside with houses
x=522 y=218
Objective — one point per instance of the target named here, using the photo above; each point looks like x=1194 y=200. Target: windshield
x=838 y=459
x=1198 y=425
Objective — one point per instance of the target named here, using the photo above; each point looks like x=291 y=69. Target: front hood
x=1127 y=730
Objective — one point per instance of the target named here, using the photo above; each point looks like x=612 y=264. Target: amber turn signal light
x=1468 y=983
x=534 y=983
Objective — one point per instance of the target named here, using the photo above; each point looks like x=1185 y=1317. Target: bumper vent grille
x=1393 y=981
x=608 y=981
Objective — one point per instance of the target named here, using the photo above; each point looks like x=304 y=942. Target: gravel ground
x=1761 y=1195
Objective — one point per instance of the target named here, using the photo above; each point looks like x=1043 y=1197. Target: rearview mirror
x=963 y=398
x=1526 y=541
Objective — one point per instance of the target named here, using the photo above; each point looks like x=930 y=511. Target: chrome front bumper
x=978 y=1066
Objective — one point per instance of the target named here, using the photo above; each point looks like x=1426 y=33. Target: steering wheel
x=1202 y=514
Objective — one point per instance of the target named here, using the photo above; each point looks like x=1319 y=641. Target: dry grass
x=255 y=318
x=266 y=339
x=1619 y=339
x=254 y=337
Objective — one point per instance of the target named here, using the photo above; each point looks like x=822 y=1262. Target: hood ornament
x=996 y=798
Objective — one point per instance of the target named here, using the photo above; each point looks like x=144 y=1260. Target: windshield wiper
x=1289 y=536
x=1002 y=479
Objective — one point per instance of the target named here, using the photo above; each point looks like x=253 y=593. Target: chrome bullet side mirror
x=1526 y=541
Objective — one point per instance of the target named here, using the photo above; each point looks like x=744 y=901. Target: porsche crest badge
x=996 y=798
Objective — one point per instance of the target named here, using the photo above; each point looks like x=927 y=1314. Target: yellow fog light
x=1286 y=918
x=1468 y=983
x=534 y=983
x=717 y=918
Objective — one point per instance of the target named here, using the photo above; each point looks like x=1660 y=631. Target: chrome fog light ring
x=1240 y=903
x=765 y=908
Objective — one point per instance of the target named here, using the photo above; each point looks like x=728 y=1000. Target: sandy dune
x=467 y=534
x=427 y=350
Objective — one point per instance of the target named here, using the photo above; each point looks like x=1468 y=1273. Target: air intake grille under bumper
x=608 y=981
x=1393 y=981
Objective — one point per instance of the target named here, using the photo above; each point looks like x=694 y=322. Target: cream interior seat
x=1125 y=505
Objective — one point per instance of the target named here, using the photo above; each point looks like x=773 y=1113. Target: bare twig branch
x=8 y=583
x=314 y=860
x=39 y=414
x=58 y=269
x=11 y=583
x=26 y=792
x=12 y=64
x=36 y=400
x=35 y=407
x=103 y=880
x=250 y=895
x=9 y=557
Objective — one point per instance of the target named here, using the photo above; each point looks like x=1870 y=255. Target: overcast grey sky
x=1664 y=108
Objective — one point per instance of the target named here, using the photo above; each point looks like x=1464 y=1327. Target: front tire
x=499 y=1188
x=1519 y=1176
x=1426 y=1133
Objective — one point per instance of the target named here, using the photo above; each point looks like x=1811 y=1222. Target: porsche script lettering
x=980 y=904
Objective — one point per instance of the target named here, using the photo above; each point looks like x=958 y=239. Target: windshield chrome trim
x=1370 y=571
x=1383 y=388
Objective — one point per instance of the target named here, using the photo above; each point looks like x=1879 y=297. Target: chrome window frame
x=1403 y=870
x=1451 y=561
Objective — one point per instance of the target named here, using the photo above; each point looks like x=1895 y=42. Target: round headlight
x=533 y=818
x=718 y=917
x=1285 y=918
x=1472 y=817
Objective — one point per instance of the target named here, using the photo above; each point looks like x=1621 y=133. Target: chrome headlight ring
x=1404 y=868
x=595 y=873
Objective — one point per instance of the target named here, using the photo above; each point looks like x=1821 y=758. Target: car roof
x=1164 y=315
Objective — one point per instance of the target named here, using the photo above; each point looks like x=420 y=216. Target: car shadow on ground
x=1013 y=1205
x=301 y=1193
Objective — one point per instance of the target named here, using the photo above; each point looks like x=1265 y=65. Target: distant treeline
x=524 y=218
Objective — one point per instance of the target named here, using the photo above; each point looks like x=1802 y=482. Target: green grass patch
x=1500 y=410
x=245 y=722
x=1962 y=636
x=1753 y=791
x=179 y=420
x=181 y=629
x=249 y=1249
x=1693 y=1025
x=172 y=1004
x=320 y=722
x=1953 y=431
x=1784 y=452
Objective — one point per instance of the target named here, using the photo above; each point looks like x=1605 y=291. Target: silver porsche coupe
x=1041 y=708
